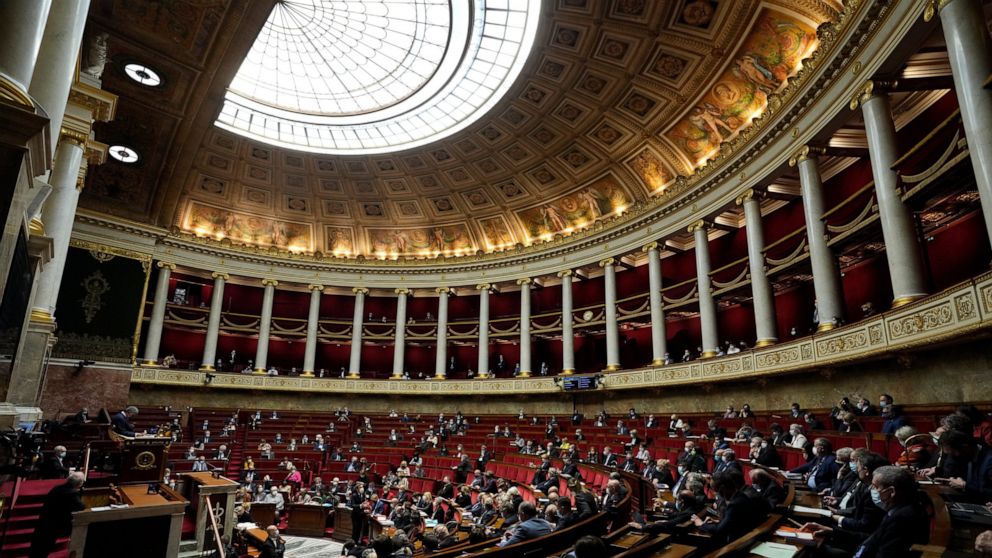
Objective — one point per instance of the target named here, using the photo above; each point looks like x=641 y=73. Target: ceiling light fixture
x=143 y=74
x=124 y=154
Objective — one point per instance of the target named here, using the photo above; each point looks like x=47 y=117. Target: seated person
x=530 y=526
x=763 y=485
x=55 y=466
x=741 y=514
x=820 y=472
x=686 y=506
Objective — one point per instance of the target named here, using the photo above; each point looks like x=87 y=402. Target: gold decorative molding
x=41 y=315
x=164 y=264
x=932 y=8
x=270 y=283
x=220 y=275
x=483 y=287
x=442 y=290
x=360 y=291
x=113 y=250
x=102 y=104
x=315 y=287
x=607 y=262
x=524 y=281
x=402 y=291
x=805 y=152
x=36 y=227
x=95 y=152
x=650 y=246
x=904 y=300
x=869 y=89
x=765 y=343
x=10 y=91
x=567 y=372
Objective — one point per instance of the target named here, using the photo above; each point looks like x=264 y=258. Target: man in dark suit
x=585 y=501
x=552 y=480
x=686 y=506
x=692 y=459
x=905 y=523
x=741 y=514
x=122 y=421
x=462 y=470
x=447 y=489
x=274 y=546
x=609 y=458
x=630 y=464
x=54 y=466
x=570 y=469
x=862 y=515
x=566 y=515
x=764 y=486
x=819 y=474
x=530 y=526
x=55 y=520
x=485 y=456
x=974 y=460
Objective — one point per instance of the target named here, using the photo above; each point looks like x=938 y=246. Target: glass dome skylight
x=374 y=76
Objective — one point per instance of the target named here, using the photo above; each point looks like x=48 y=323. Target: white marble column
x=525 y=363
x=659 y=341
x=483 y=361
x=154 y=340
x=762 y=295
x=22 y=26
x=441 y=354
x=970 y=54
x=399 y=344
x=355 y=362
x=265 y=326
x=610 y=311
x=826 y=276
x=707 y=306
x=567 y=333
x=902 y=251
x=313 y=322
x=213 y=321
x=58 y=216
x=56 y=66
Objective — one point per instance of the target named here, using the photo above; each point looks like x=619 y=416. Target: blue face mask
x=876 y=498
x=853 y=466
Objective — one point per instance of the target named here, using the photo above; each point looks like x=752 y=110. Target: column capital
x=360 y=291
x=163 y=265
x=402 y=291
x=315 y=287
x=524 y=281
x=270 y=283
x=220 y=275
x=483 y=287
x=442 y=290
x=932 y=8
x=748 y=195
x=870 y=88
x=607 y=262
x=805 y=152
x=74 y=137
x=699 y=225
x=565 y=273
x=653 y=245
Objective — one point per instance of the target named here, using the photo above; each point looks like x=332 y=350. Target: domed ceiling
x=617 y=98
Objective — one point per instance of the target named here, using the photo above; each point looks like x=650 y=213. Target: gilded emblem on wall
x=96 y=286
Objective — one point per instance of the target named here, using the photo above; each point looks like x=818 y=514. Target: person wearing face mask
x=798 y=440
x=764 y=453
x=692 y=459
x=55 y=465
x=763 y=485
x=845 y=475
x=835 y=502
x=904 y=524
x=862 y=516
x=820 y=472
x=686 y=506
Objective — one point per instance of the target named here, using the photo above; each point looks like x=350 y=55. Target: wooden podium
x=307 y=520
x=143 y=460
x=149 y=526
x=202 y=488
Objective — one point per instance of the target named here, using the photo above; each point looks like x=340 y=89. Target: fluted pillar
x=55 y=69
x=22 y=26
x=58 y=217
x=659 y=341
x=762 y=295
x=525 y=363
x=707 y=307
x=970 y=54
x=213 y=321
x=154 y=339
x=483 y=361
x=441 y=354
x=399 y=343
x=567 y=334
x=313 y=321
x=610 y=310
x=355 y=362
x=265 y=326
x=902 y=251
x=826 y=275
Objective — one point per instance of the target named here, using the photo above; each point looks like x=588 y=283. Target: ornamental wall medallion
x=95 y=285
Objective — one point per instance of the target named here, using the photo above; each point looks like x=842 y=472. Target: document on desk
x=811 y=511
x=774 y=550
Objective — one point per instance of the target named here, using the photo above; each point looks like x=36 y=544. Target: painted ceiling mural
x=618 y=99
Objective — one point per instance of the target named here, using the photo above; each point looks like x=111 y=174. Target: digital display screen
x=579 y=382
